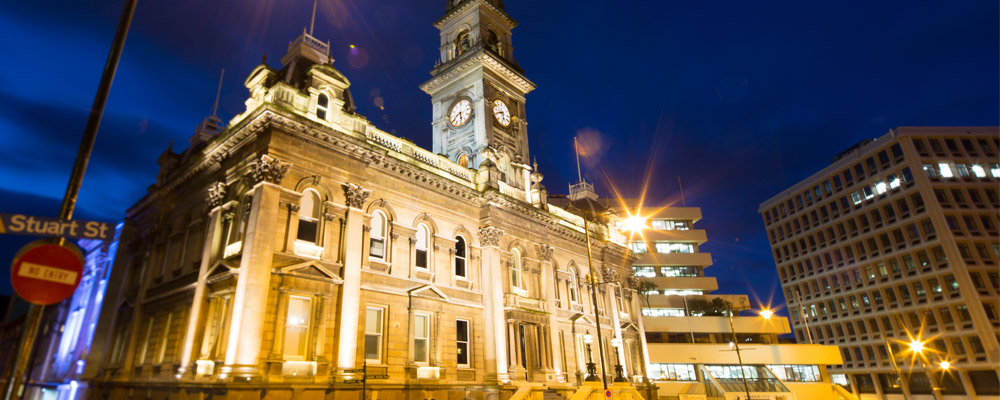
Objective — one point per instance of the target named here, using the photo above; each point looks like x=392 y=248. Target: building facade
x=692 y=339
x=302 y=253
x=895 y=242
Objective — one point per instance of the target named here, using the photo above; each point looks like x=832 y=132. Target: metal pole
x=805 y=318
x=73 y=187
x=736 y=344
x=895 y=369
x=593 y=299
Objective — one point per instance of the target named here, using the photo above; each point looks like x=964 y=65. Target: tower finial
x=215 y=107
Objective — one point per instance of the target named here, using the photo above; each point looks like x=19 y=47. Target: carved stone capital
x=366 y=228
x=490 y=235
x=328 y=216
x=545 y=252
x=393 y=235
x=609 y=274
x=633 y=282
x=294 y=207
x=412 y=240
x=356 y=195
x=216 y=192
x=268 y=169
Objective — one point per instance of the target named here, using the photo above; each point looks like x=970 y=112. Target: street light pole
x=619 y=371
x=35 y=313
x=593 y=299
x=591 y=368
x=736 y=345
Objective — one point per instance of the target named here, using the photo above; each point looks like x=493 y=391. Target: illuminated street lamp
x=945 y=365
x=619 y=371
x=766 y=314
x=591 y=367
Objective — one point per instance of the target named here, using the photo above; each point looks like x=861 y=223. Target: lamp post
x=736 y=345
x=619 y=371
x=917 y=348
x=593 y=298
x=591 y=368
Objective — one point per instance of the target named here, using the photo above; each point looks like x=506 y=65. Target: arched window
x=464 y=42
x=573 y=286
x=423 y=238
x=322 y=104
x=515 y=269
x=493 y=42
x=460 y=271
x=377 y=242
x=309 y=209
x=463 y=160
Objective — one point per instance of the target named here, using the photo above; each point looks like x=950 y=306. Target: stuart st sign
x=21 y=224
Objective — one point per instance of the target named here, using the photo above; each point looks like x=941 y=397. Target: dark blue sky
x=740 y=99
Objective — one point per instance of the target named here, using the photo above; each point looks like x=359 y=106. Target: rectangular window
x=638 y=247
x=462 y=341
x=666 y=247
x=373 y=334
x=796 y=373
x=297 y=327
x=945 y=170
x=672 y=372
x=421 y=337
x=163 y=339
x=141 y=357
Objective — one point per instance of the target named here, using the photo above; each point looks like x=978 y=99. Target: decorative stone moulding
x=356 y=195
x=545 y=252
x=609 y=274
x=490 y=235
x=269 y=169
x=216 y=192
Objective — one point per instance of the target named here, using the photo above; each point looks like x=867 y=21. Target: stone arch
x=382 y=205
x=426 y=219
x=470 y=239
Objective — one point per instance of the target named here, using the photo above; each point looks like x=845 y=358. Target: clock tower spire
x=478 y=91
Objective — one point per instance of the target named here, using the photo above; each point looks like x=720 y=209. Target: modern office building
x=896 y=242
x=689 y=332
x=300 y=249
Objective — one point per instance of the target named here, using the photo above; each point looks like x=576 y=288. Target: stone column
x=252 y=285
x=616 y=326
x=350 y=290
x=209 y=253
x=548 y=281
x=644 y=349
x=496 y=351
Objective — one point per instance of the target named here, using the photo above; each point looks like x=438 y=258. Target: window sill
x=307 y=249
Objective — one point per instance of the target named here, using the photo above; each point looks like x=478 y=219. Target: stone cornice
x=470 y=4
x=478 y=57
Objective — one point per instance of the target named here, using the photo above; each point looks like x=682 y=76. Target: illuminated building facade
x=301 y=248
x=689 y=333
x=897 y=241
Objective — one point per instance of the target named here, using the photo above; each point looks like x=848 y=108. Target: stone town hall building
x=278 y=256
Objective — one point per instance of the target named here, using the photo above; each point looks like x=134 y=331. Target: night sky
x=739 y=99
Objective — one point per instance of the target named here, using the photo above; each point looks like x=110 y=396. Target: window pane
x=307 y=230
x=296 y=327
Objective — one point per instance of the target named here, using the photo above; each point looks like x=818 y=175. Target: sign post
x=14 y=383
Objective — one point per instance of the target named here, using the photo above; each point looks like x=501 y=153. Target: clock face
x=501 y=112
x=460 y=113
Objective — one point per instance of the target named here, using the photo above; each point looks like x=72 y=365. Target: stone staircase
x=552 y=395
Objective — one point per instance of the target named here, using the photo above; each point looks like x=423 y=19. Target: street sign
x=21 y=224
x=607 y=393
x=46 y=273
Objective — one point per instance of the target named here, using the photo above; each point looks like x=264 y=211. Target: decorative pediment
x=628 y=326
x=428 y=291
x=310 y=270
x=221 y=270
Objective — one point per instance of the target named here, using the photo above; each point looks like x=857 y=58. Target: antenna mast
x=312 y=23
x=681 y=186
x=215 y=107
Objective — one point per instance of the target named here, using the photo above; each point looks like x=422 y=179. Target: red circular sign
x=45 y=273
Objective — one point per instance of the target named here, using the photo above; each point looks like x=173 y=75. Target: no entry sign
x=46 y=273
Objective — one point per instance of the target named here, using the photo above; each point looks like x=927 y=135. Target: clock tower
x=477 y=90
